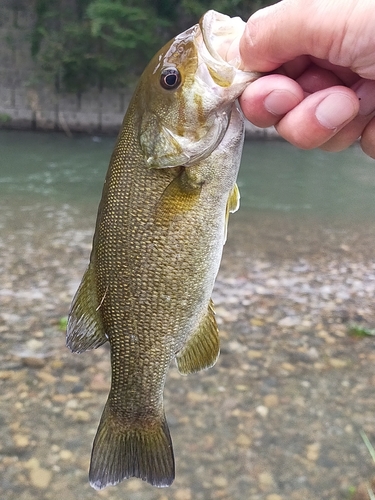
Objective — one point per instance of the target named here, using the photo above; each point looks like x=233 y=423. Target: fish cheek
x=158 y=145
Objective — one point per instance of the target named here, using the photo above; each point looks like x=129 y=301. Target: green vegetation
x=360 y=331
x=106 y=43
x=63 y=323
x=5 y=118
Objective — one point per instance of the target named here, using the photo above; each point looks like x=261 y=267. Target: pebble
x=32 y=463
x=65 y=454
x=99 y=383
x=288 y=367
x=266 y=480
x=254 y=354
x=220 y=481
x=271 y=400
x=337 y=363
x=81 y=416
x=21 y=441
x=46 y=377
x=289 y=321
x=243 y=440
x=196 y=397
x=134 y=484
x=183 y=494
x=241 y=388
x=40 y=478
x=312 y=452
x=34 y=362
x=257 y=321
x=71 y=378
x=262 y=410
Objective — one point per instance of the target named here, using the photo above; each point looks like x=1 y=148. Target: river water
x=274 y=176
x=279 y=416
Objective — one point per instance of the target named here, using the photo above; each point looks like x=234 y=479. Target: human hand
x=321 y=53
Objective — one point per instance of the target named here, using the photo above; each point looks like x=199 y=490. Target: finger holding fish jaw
x=314 y=93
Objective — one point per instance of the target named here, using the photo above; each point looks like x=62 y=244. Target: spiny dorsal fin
x=233 y=204
x=85 y=328
x=124 y=449
x=202 y=348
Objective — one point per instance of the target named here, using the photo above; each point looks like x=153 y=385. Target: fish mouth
x=218 y=33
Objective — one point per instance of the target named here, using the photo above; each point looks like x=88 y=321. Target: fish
x=159 y=236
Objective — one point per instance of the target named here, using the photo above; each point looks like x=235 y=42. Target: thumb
x=291 y=28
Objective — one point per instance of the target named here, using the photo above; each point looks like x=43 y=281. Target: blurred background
x=285 y=412
x=72 y=64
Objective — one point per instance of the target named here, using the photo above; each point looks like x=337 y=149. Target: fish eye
x=170 y=78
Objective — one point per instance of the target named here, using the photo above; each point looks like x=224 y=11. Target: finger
x=315 y=78
x=346 y=75
x=269 y=98
x=365 y=91
x=368 y=139
x=273 y=35
x=347 y=135
x=319 y=117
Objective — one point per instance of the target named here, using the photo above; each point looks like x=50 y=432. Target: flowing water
x=280 y=414
x=274 y=176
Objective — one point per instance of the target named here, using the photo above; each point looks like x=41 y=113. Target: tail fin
x=119 y=453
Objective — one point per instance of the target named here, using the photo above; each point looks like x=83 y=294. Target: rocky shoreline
x=94 y=118
x=278 y=417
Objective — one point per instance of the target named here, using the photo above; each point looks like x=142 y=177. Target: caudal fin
x=119 y=452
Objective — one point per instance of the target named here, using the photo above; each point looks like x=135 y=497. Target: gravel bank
x=278 y=417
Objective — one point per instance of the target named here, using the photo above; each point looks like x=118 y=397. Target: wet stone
x=40 y=478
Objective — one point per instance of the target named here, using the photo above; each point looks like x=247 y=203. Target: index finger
x=288 y=29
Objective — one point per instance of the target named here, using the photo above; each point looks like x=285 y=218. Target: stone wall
x=26 y=104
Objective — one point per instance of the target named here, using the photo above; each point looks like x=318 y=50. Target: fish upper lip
x=212 y=24
x=217 y=32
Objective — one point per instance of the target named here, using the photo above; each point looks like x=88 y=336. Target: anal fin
x=202 y=348
x=85 y=329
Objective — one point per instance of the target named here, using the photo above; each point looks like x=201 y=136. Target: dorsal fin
x=85 y=329
x=202 y=348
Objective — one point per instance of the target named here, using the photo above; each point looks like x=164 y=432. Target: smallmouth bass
x=158 y=242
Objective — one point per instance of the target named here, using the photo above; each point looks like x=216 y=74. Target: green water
x=274 y=176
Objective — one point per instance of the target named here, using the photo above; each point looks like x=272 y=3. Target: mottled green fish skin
x=156 y=253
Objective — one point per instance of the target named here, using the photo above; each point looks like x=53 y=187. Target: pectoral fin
x=202 y=348
x=233 y=204
x=180 y=196
x=85 y=329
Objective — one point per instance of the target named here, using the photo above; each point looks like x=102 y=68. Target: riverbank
x=93 y=113
x=278 y=417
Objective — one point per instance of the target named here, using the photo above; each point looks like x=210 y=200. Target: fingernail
x=366 y=94
x=335 y=110
x=279 y=102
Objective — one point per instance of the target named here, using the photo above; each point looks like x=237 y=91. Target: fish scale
x=157 y=246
